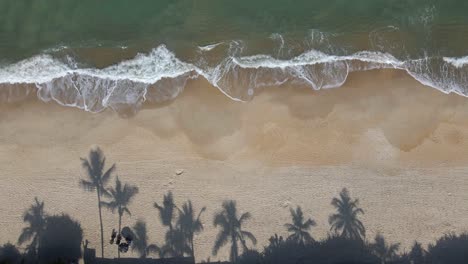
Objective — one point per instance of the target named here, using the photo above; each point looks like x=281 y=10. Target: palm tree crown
x=231 y=229
x=299 y=228
x=346 y=219
x=97 y=180
x=35 y=217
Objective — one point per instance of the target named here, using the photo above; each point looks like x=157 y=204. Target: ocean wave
x=210 y=46
x=457 y=62
x=160 y=76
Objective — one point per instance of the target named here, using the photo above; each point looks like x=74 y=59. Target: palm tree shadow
x=383 y=250
x=181 y=229
x=97 y=181
x=346 y=220
x=299 y=228
x=140 y=244
x=121 y=197
x=36 y=219
x=189 y=224
x=175 y=245
x=231 y=230
x=166 y=211
x=450 y=248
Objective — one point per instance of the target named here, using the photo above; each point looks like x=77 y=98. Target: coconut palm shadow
x=166 y=215
x=417 y=253
x=450 y=248
x=181 y=230
x=34 y=216
x=231 y=230
x=383 y=250
x=190 y=224
x=346 y=220
x=140 y=242
x=121 y=196
x=166 y=211
x=97 y=181
x=299 y=228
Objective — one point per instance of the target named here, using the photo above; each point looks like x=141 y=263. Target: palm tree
x=36 y=219
x=97 y=180
x=140 y=240
x=190 y=225
x=231 y=229
x=346 y=219
x=385 y=252
x=120 y=199
x=299 y=228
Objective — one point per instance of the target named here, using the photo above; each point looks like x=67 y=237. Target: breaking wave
x=160 y=76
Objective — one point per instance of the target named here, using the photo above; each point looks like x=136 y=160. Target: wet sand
x=399 y=147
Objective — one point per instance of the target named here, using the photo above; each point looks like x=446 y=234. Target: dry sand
x=399 y=147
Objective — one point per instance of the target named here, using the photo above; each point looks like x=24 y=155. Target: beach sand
x=400 y=147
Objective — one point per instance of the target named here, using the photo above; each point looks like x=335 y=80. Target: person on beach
x=114 y=234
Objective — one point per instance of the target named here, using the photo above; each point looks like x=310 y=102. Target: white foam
x=457 y=62
x=38 y=69
x=210 y=46
x=238 y=77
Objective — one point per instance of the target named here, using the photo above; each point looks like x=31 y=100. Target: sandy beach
x=400 y=147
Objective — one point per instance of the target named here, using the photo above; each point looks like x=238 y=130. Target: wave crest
x=160 y=76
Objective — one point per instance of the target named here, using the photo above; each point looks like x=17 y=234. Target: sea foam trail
x=160 y=76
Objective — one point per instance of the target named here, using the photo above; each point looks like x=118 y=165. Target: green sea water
x=103 y=54
x=28 y=27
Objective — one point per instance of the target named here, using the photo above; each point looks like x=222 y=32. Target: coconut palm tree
x=384 y=251
x=97 y=180
x=140 y=241
x=189 y=224
x=231 y=230
x=346 y=219
x=299 y=228
x=36 y=219
x=121 y=196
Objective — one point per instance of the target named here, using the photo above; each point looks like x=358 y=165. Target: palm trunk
x=234 y=249
x=191 y=244
x=172 y=246
x=100 y=221
x=120 y=228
